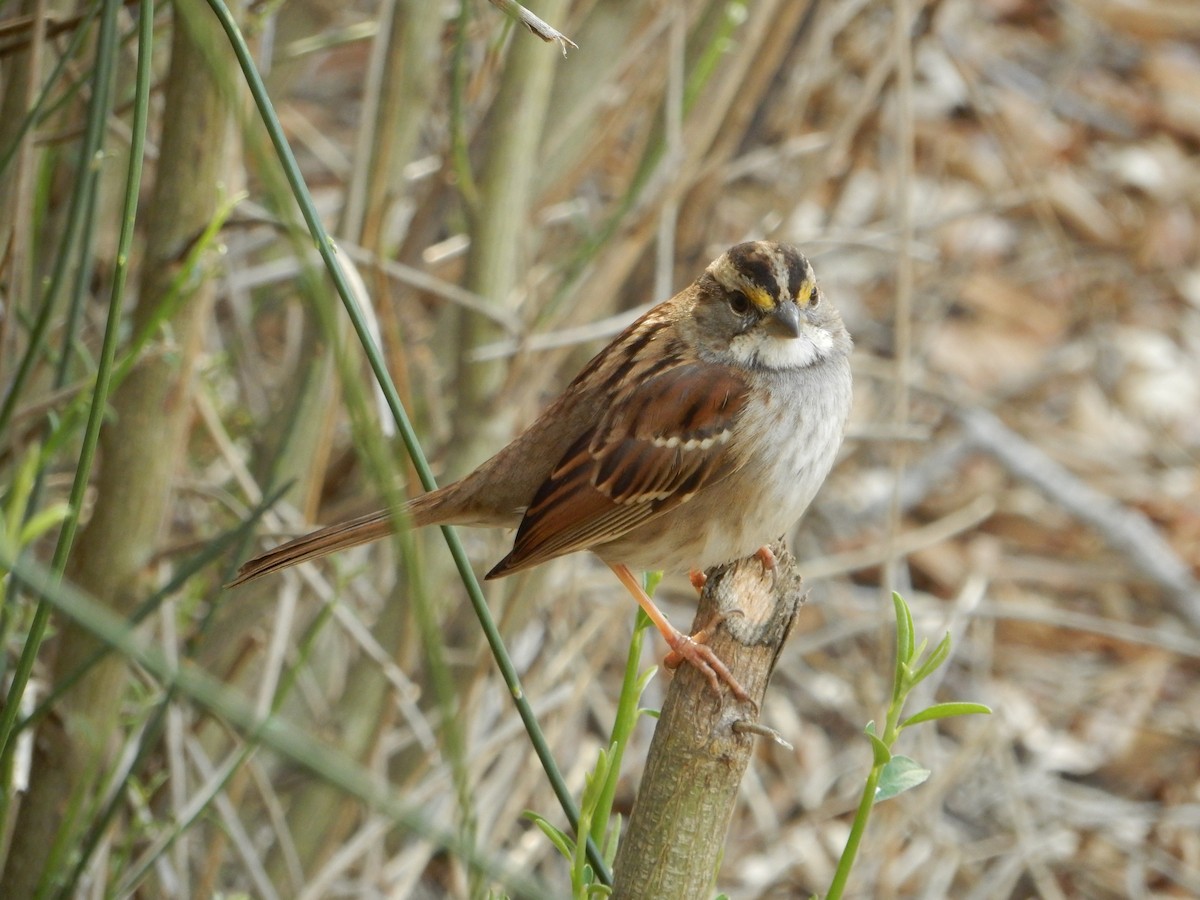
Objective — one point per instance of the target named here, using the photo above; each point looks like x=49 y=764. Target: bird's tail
x=319 y=543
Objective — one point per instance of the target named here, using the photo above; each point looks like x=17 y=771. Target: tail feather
x=446 y=506
x=320 y=543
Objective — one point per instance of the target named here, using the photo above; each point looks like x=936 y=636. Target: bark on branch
x=676 y=834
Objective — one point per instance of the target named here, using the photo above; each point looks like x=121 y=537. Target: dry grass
x=1023 y=283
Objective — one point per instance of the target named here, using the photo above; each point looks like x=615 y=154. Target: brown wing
x=667 y=438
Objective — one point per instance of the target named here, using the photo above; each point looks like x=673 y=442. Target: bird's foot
x=694 y=650
x=691 y=649
x=765 y=556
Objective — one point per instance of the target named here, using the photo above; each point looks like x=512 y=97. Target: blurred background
x=1001 y=196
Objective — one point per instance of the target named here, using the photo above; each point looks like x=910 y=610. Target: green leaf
x=899 y=775
x=564 y=843
x=882 y=754
x=651 y=581
x=613 y=839
x=946 y=711
x=593 y=792
x=18 y=493
x=594 y=780
x=42 y=522
x=904 y=629
x=936 y=658
x=918 y=652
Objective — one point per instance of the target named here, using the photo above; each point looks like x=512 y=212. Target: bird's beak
x=786 y=319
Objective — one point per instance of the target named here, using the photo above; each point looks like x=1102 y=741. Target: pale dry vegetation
x=1003 y=197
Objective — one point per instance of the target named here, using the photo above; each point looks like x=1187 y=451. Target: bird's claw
x=694 y=649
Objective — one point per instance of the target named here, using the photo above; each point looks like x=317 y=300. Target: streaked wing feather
x=665 y=440
x=543 y=540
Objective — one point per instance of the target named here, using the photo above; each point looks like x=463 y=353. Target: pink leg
x=674 y=658
x=683 y=648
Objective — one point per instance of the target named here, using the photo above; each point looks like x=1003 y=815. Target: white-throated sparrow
x=699 y=434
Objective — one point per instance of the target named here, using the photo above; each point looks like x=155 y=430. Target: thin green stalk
x=133 y=181
x=445 y=690
x=276 y=734
x=891 y=774
x=858 y=828
x=198 y=805
x=628 y=708
x=99 y=822
x=82 y=188
x=328 y=254
x=60 y=850
x=862 y=815
x=80 y=201
x=216 y=549
x=905 y=648
x=112 y=329
x=711 y=53
x=35 y=112
x=148 y=740
x=102 y=88
x=84 y=267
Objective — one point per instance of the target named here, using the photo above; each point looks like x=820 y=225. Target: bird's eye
x=814 y=296
x=739 y=303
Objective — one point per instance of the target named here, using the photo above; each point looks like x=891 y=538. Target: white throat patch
x=756 y=349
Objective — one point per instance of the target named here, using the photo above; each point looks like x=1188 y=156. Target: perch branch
x=703 y=741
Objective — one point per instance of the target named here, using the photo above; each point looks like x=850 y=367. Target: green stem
x=328 y=252
x=268 y=730
x=81 y=187
x=628 y=707
x=857 y=829
x=80 y=203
